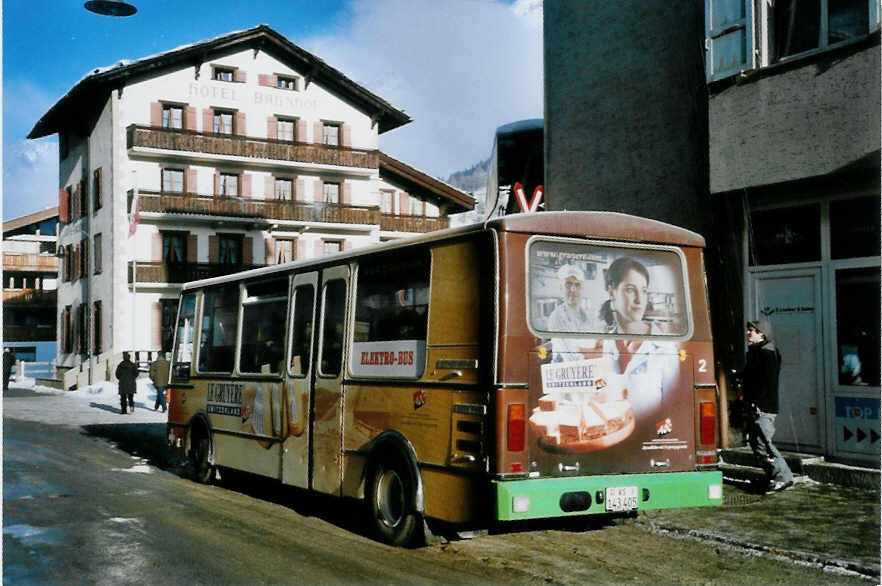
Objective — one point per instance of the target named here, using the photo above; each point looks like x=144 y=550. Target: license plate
x=621 y=498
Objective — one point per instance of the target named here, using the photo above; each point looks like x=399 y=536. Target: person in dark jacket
x=760 y=382
x=127 y=374
x=8 y=363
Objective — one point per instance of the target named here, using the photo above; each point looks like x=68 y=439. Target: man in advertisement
x=760 y=381
x=569 y=316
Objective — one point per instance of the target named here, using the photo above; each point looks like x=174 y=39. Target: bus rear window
x=600 y=289
x=217 y=339
x=183 y=351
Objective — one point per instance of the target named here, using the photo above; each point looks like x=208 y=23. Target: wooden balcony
x=29 y=262
x=30 y=297
x=420 y=224
x=249 y=147
x=160 y=272
x=243 y=207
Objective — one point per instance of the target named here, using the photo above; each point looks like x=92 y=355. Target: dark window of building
x=96 y=251
x=84 y=198
x=228 y=184
x=330 y=134
x=172 y=116
x=857 y=325
x=230 y=249
x=263 y=327
x=47 y=247
x=174 y=247
x=82 y=330
x=223 y=122
x=218 y=335
x=286 y=83
x=97 y=198
x=223 y=73
x=172 y=180
x=331 y=192
x=854 y=227
x=785 y=235
x=283 y=188
x=97 y=347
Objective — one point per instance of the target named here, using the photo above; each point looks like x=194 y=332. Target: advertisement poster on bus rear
x=611 y=389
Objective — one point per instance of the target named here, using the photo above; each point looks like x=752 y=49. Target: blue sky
x=459 y=68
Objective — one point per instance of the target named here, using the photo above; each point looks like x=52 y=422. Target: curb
x=739 y=466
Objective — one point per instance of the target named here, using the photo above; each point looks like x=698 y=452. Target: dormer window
x=223 y=73
x=286 y=83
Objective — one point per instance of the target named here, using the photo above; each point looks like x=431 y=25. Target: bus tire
x=390 y=501
x=200 y=449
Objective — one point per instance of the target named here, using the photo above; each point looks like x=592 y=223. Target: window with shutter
x=97 y=200
x=729 y=37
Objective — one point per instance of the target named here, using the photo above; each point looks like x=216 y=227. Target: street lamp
x=110 y=7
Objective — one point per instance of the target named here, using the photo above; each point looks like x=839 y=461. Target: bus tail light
x=517 y=427
x=708 y=422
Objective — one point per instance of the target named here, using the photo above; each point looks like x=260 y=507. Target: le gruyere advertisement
x=610 y=388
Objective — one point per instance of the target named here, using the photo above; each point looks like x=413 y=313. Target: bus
x=516 y=177
x=531 y=367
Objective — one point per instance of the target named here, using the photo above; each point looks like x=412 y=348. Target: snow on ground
x=94 y=404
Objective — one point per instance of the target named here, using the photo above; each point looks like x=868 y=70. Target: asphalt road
x=98 y=503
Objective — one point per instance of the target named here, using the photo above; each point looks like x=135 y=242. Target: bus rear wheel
x=390 y=502
x=199 y=451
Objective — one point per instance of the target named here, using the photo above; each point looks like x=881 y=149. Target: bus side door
x=298 y=380
x=327 y=409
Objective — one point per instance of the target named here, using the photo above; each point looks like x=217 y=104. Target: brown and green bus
x=535 y=366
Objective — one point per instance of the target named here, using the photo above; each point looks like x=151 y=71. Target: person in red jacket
x=760 y=382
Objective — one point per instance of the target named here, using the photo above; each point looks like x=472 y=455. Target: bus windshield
x=599 y=289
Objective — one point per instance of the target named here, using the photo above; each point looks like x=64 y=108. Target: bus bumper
x=540 y=498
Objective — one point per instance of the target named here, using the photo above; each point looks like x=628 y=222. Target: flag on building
x=134 y=214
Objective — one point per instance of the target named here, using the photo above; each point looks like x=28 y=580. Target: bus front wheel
x=199 y=452
x=390 y=501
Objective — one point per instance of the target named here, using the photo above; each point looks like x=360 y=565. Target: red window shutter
x=192 y=242
x=239 y=75
x=346 y=138
x=63 y=202
x=240 y=129
x=269 y=187
x=190 y=118
x=213 y=248
x=75 y=263
x=272 y=128
x=301 y=249
x=246 y=184
x=155 y=114
x=191 y=186
x=207 y=120
x=156 y=247
x=300 y=190
x=264 y=79
x=269 y=250
x=318 y=248
x=347 y=193
x=402 y=204
x=317 y=129
x=156 y=325
x=248 y=250
x=216 y=183
x=301 y=131
x=318 y=193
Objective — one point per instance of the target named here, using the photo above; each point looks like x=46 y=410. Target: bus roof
x=521 y=125
x=598 y=225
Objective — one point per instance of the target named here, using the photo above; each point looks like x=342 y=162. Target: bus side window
x=218 y=336
x=332 y=334
x=301 y=334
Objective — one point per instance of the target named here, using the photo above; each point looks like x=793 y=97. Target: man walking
x=127 y=374
x=159 y=376
x=8 y=363
x=760 y=380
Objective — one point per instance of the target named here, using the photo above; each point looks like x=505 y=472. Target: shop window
x=854 y=227
x=172 y=180
x=857 y=326
x=263 y=327
x=218 y=333
x=301 y=329
x=785 y=235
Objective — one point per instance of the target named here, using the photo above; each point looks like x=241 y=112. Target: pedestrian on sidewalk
x=127 y=374
x=159 y=376
x=8 y=363
x=760 y=381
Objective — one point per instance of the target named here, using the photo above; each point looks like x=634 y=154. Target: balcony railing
x=412 y=223
x=30 y=262
x=160 y=272
x=29 y=297
x=248 y=146
x=192 y=203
